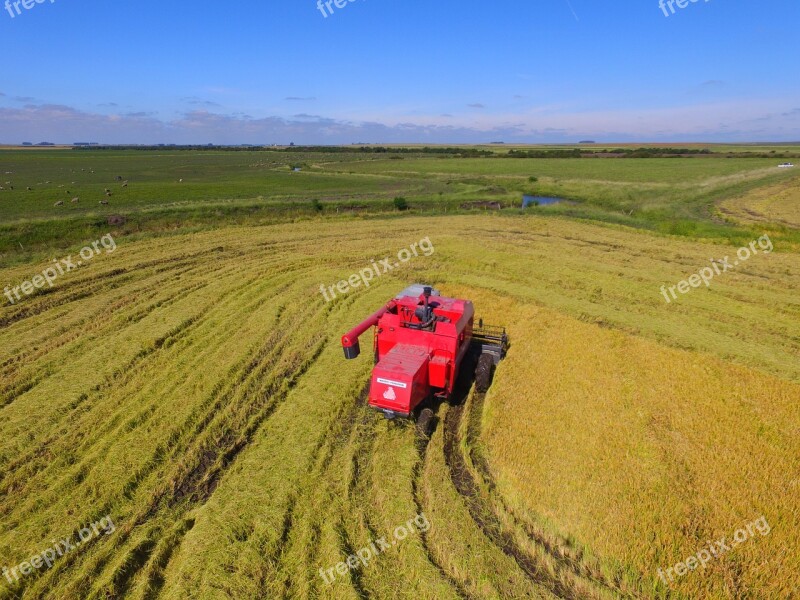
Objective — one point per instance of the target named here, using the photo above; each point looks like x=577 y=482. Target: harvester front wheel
x=483 y=373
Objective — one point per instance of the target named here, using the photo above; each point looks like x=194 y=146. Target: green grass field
x=174 y=188
x=190 y=385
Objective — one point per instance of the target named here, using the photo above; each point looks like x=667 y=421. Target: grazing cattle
x=104 y=202
x=59 y=203
x=124 y=185
x=75 y=200
x=108 y=194
x=30 y=189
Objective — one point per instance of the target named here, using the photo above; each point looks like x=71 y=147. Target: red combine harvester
x=422 y=342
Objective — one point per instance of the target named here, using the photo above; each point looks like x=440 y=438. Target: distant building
x=587 y=142
x=27 y=144
x=45 y=144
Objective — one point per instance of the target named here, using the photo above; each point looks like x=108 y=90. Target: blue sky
x=399 y=71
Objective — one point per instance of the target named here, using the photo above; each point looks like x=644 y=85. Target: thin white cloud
x=195 y=101
x=719 y=122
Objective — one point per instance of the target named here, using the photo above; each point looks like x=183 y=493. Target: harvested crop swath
x=192 y=387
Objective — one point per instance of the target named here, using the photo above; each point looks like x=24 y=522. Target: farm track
x=459 y=587
x=195 y=485
x=362 y=446
x=352 y=424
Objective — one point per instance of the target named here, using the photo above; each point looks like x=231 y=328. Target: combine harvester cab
x=421 y=343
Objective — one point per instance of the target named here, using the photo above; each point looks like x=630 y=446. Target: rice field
x=776 y=205
x=190 y=387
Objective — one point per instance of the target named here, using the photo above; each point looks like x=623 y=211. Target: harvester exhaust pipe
x=425 y=313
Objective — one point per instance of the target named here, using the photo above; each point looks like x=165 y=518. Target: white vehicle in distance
x=785 y=165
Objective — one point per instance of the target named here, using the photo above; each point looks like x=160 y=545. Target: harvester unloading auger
x=422 y=342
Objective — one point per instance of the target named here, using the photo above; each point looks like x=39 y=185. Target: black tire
x=484 y=372
x=425 y=422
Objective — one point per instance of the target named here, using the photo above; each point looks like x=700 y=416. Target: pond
x=539 y=201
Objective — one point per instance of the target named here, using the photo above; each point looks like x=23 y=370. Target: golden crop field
x=778 y=204
x=191 y=389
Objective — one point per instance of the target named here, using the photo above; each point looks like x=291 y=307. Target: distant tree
x=401 y=203
x=533 y=179
x=316 y=205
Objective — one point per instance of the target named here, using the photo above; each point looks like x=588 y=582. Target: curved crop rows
x=192 y=388
x=776 y=205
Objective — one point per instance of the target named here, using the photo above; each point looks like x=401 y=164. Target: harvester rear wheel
x=483 y=373
x=425 y=422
